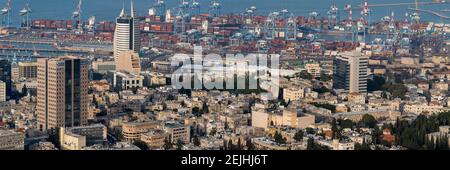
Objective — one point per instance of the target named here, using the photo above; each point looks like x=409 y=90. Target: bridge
x=431 y=12
x=406 y=4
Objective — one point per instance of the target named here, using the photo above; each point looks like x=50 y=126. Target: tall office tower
x=126 y=35
x=5 y=76
x=62 y=92
x=350 y=72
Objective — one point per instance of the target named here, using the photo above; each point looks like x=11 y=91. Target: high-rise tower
x=350 y=72
x=62 y=98
x=127 y=35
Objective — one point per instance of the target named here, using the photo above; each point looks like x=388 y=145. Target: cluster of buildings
x=118 y=103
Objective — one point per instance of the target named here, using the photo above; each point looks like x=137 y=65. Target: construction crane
x=195 y=7
x=76 y=15
x=6 y=14
x=25 y=16
x=214 y=8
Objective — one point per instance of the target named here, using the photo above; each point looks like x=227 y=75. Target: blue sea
x=107 y=10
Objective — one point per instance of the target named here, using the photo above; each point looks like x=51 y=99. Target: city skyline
x=189 y=78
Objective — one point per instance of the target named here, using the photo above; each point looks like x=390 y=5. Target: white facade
x=126 y=35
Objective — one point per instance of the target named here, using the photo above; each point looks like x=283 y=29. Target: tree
x=205 y=108
x=196 y=111
x=179 y=144
x=213 y=131
x=321 y=89
x=304 y=75
x=368 y=121
x=346 y=123
x=310 y=144
x=363 y=146
x=330 y=107
x=249 y=144
x=335 y=129
x=310 y=130
x=325 y=77
x=396 y=90
x=141 y=145
x=24 y=90
x=167 y=144
x=239 y=144
x=196 y=141
x=230 y=145
x=298 y=135
x=375 y=84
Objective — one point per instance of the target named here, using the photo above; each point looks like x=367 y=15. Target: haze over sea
x=109 y=9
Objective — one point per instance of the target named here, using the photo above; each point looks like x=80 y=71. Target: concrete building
x=126 y=35
x=357 y=98
x=125 y=81
x=62 y=92
x=11 y=140
x=350 y=72
x=132 y=131
x=423 y=108
x=103 y=67
x=71 y=141
x=154 y=138
x=285 y=117
x=94 y=134
x=293 y=93
x=177 y=132
x=128 y=61
x=27 y=69
x=313 y=69
x=2 y=91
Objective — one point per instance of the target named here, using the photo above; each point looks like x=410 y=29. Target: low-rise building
x=75 y=138
x=154 y=138
x=11 y=140
x=132 y=131
x=177 y=132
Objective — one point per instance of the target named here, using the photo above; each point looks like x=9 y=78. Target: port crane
x=181 y=17
x=291 y=28
x=160 y=8
x=25 y=16
x=76 y=15
x=333 y=16
x=195 y=7
x=5 y=12
x=270 y=26
x=214 y=8
x=248 y=14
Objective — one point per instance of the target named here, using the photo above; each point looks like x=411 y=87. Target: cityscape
x=196 y=75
